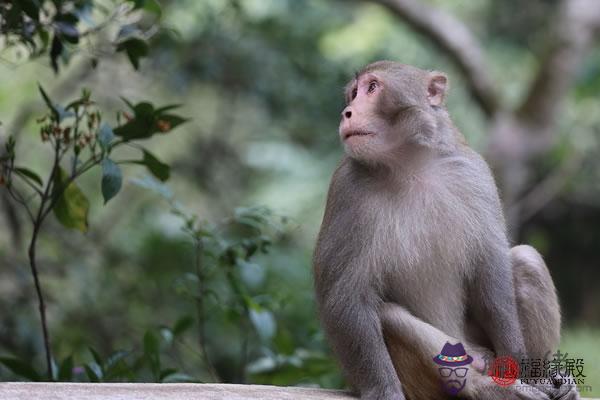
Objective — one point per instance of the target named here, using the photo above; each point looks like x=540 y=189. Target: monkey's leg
x=413 y=343
x=351 y=321
x=539 y=312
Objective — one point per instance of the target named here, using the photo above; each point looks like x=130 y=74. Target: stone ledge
x=163 y=391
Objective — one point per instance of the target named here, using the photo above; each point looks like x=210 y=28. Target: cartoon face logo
x=453 y=360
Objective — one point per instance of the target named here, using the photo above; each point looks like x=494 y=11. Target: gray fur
x=413 y=219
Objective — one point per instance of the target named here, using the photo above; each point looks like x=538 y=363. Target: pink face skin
x=363 y=131
x=361 y=99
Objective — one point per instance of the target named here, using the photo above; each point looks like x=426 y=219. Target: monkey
x=413 y=250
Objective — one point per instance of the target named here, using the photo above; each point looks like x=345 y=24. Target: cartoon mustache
x=453 y=386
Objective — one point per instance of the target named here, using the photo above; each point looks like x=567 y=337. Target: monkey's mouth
x=349 y=134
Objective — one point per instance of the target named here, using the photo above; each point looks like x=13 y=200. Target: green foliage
x=78 y=129
x=53 y=27
x=147 y=121
x=119 y=366
x=135 y=48
x=20 y=368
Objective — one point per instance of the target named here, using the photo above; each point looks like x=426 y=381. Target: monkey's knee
x=537 y=303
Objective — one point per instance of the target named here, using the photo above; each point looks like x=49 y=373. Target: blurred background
x=261 y=81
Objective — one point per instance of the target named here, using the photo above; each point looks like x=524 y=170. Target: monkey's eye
x=372 y=87
x=354 y=93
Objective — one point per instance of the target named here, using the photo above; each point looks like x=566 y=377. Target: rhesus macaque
x=413 y=250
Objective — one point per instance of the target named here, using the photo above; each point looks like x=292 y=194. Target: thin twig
x=543 y=193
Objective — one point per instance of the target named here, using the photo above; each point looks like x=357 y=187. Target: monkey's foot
x=562 y=392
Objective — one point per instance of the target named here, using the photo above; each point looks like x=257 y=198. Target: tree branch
x=455 y=39
x=548 y=189
x=577 y=23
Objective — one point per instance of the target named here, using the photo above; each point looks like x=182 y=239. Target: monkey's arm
x=494 y=303
x=354 y=330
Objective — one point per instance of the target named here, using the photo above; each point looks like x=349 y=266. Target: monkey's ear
x=436 y=88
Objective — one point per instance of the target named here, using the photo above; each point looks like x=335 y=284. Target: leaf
x=65 y=373
x=112 y=179
x=55 y=51
x=141 y=127
x=178 y=377
x=116 y=357
x=135 y=48
x=20 y=368
x=144 y=109
x=66 y=25
x=31 y=8
x=147 y=121
x=263 y=322
x=152 y=6
x=92 y=372
x=105 y=136
x=116 y=367
x=129 y=103
x=151 y=352
x=137 y=3
x=97 y=357
x=72 y=207
x=166 y=372
x=49 y=102
x=182 y=325
x=159 y=169
x=30 y=174
x=169 y=121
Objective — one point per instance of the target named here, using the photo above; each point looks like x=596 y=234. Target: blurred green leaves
x=60 y=30
x=147 y=121
x=20 y=368
x=135 y=48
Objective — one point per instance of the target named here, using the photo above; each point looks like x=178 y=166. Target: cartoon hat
x=453 y=355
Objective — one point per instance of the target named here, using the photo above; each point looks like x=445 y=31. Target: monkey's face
x=363 y=131
x=387 y=106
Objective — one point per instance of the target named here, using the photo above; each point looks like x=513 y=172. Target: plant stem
x=41 y=301
x=37 y=224
x=200 y=311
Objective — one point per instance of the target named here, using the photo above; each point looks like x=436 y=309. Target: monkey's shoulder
x=466 y=173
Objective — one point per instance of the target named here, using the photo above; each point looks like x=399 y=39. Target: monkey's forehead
x=389 y=66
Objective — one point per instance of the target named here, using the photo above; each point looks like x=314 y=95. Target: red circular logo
x=504 y=371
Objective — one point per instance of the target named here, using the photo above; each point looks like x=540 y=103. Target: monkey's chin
x=363 y=151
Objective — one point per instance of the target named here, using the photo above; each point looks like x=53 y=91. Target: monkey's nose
x=347 y=113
